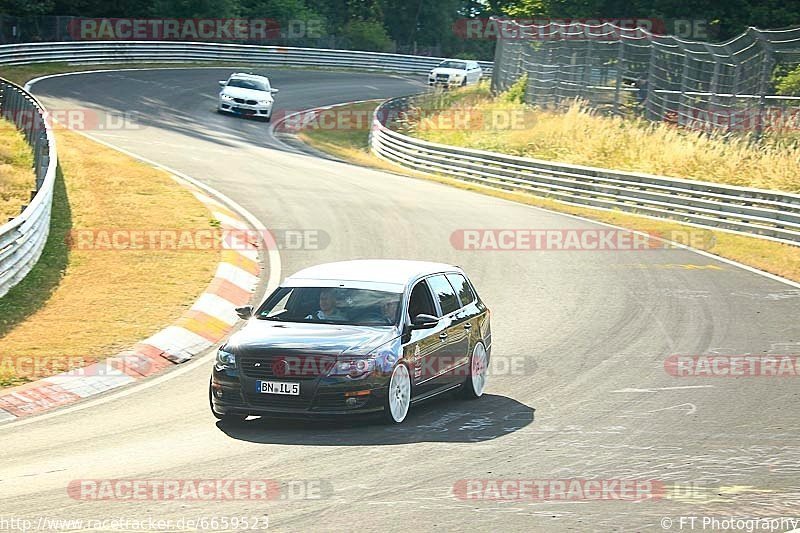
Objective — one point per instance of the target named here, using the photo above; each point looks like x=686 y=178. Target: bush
x=516 y=93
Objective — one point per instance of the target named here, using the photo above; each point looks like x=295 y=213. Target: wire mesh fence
x=726 y=86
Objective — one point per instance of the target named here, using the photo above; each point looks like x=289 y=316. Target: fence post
x=764 y=80
x=649 y=112
x=618 y=82
x=684 y=82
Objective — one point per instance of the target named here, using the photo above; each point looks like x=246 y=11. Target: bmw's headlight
x=353 y=367
x=225 y=359
x=264 y=102
x=225 y=97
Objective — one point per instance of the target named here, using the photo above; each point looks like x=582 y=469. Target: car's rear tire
x=227 y=417
x=475 y=384
x=398 y=396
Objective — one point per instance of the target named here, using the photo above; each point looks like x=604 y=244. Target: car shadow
x=440 y=420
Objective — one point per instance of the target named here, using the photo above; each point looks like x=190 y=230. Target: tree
x=789 y=84
x=367 y=35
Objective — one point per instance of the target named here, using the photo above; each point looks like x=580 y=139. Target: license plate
x=278 y=387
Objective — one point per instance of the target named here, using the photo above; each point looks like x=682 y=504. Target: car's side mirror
x=273 y=90
x=244 y=312
x=222 y=83
x=423 y=321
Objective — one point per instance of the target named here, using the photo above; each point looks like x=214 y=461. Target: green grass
x=16 y=171
x=583 y=137
x=29 y=295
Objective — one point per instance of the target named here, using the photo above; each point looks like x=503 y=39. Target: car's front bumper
x=236 y=108
x=450 y=82
x=325 y=396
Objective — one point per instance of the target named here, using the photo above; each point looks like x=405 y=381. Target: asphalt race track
x=586 y=333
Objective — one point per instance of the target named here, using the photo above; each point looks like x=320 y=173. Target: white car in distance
x=247 y=94
x=455 y=73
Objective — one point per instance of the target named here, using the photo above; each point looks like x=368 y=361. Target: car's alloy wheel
x=476 y=381
x=398 y=396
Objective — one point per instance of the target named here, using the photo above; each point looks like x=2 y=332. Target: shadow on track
x=444 y=420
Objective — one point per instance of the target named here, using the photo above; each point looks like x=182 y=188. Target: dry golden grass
x=582 y=137
x=109 y=300
x=779 y=259
x=16 y=171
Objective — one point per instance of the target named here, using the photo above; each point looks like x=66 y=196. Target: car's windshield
x=459 y=65
x=332 y=305
x=248 y=84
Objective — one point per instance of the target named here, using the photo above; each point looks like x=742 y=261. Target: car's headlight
x=353 y=367
x=264 y=102
x=225 y=359
x=225 y=96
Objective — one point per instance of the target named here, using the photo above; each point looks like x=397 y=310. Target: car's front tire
x=475 y=383
x=398 y=395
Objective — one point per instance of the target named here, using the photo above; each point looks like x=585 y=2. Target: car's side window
x=444 y=292
x=461 y=285
x=420 y=301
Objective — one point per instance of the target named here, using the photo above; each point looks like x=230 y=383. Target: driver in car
x=327 y=307
x=389 y=310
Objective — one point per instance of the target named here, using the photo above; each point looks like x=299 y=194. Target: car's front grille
x=442 y=77
x=278 y=401
x=243 y=101
x=291 y=367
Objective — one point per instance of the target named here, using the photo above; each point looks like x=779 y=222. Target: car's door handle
x=443 y=335
x=467 y=325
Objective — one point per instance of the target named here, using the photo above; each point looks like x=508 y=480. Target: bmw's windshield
x=248 y=84
x=332 y=305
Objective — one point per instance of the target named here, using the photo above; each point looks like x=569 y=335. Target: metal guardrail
x=100 y=52
x=22 y=239
x=767 y=214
